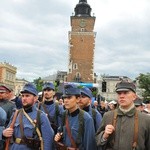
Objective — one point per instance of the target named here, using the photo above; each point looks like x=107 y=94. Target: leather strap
x=115 y=118
x=21 y=124
x=37 y=129
x=135 y=138
x=69 y=133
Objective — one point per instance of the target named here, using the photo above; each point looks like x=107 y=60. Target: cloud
x=34 y=36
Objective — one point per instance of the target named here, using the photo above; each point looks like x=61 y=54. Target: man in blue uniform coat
x=85 y=104
x=77 y=130
x=32 y=129
x=50 y=107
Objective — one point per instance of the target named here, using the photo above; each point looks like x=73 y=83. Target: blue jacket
x=51 y=108
x=97 y=117
x=87 y=141
x=46 y=130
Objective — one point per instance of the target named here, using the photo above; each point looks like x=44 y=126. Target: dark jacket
x=9 y=108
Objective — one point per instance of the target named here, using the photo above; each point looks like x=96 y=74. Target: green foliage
x=56 y=84
x=94 y=91
x=39 y=83
x=144 y=82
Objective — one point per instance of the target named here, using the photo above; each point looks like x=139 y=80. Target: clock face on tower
x=82 y=23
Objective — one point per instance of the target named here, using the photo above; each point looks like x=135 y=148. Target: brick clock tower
x=81 y=44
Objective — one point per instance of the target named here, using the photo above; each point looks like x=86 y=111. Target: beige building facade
x=107 y=86
x=19 y=84
x=7 y=74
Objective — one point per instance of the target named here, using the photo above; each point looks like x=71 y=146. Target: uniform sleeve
x=100 y=132
x=2 y=121
x=47 y=132
x=98 y=120
x=89 y=133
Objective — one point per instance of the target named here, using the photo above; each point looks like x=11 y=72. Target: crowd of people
x=73 y=121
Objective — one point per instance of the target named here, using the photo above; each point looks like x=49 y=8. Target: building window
x=75 y=66
x=78 y=77
x=82 y=29
x=104 y=86
x=70 y=70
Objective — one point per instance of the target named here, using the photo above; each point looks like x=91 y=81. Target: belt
x=19 y=141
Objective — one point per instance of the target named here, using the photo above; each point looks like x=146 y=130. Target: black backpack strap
x=94 y=117
x=38 y=120
x=81 y=127
x=56 y=112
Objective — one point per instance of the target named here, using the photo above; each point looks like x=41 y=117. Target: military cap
x=4 y=88
x=86 y=91
x=125 y=86
x=70 y=90
x=138 y=102
x=30 y=88
x=48 y=85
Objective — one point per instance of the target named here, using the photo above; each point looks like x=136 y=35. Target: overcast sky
x=34 y=36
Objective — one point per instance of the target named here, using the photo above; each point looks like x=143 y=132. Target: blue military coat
x=87 y=139
x=97 y=117
x=51 y=109
x=46 y=130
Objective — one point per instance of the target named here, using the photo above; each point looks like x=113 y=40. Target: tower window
x=82 y=29
x=70 y=70
x=77 y=77
x=75 y=66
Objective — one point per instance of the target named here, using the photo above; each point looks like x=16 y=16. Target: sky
x=34 y=36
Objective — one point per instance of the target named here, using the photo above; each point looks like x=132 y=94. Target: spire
x=83 y=9
x=80 y=1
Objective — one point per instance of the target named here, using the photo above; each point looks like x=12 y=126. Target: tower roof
x=83 y=9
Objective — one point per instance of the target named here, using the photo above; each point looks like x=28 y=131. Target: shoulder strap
x=37 y=129
x=38 y=119
x=94 y=117
x=69 y=133
x=135 y=139
x=57 y=109
x=114 y=118
x=56 y=112
x=46 y=111
x=81 y=126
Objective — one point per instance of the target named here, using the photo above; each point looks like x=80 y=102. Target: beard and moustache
x=28 y=106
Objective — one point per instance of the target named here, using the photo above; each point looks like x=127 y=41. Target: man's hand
x=58 y=137
x=8 y=132
x=109 y=129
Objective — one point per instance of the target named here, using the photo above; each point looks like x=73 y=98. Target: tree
x=144 y=82
x=38 y=83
